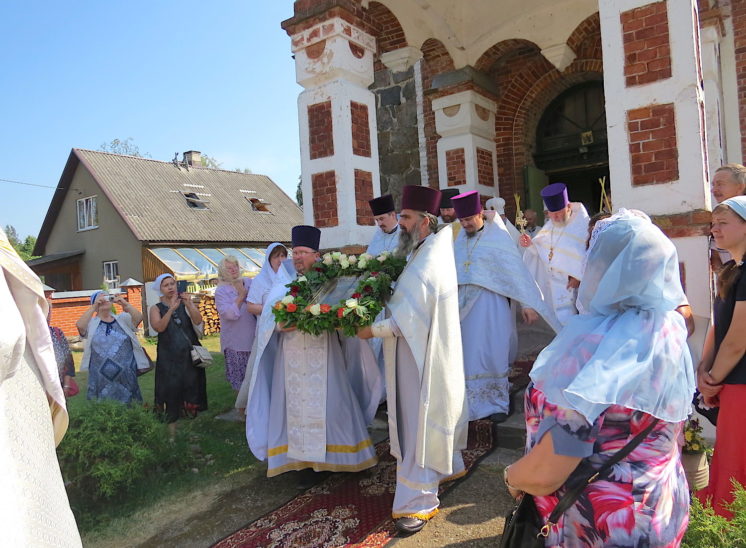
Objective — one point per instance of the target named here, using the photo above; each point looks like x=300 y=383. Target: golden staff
x=605 y=200
x=520 y=220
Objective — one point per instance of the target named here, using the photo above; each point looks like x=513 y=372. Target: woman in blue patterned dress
x=112 y=353
x=610 y=372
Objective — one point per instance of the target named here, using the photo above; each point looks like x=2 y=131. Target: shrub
x=110 y=446
x=707 y=529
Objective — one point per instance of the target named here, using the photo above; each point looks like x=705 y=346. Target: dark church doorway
x=572 y=146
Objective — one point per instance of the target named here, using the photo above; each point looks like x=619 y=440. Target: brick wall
x=360 y=129
x=67 y=311
x=324 y=189
x=320 y=130
x=647 y=50
x=680 y=225
x=456 y=166
x=485 y=167
x=739 y=35
x=363 y=194
x=652 y=144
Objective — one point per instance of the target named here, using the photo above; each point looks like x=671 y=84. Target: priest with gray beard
x=424 y=367
x=491 y=276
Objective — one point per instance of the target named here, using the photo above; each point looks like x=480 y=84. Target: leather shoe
x=307 y=478
x=409 y=525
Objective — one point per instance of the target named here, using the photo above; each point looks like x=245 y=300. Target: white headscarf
x=267 y=278
x=158 y=281
x=629 y=347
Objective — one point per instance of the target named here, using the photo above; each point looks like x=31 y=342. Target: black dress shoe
x=409 y=526
x=497 y=418
x=308 y=477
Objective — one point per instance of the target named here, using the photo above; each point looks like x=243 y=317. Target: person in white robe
x=497 y=204
x=427 y=411
x=384 y=215
x=555 y=256
x=34 y=508
x=491 y=276
x=302 y=413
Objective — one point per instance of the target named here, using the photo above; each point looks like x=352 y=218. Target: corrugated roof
x=148 y=195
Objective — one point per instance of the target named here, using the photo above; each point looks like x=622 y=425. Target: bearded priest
x=302 y=413
x=491 y=275
x=424 y=368
x=555 y=255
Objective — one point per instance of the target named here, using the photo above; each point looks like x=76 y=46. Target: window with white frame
x=87 y=213
x=111 y=274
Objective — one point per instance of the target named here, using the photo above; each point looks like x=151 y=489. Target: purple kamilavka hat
x=467 y=204
x=555 y=196
x=421 y=198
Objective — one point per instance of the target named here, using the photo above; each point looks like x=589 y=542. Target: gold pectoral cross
x=551 y=254
x=467 y=264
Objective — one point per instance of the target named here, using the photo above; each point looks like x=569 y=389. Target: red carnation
x=340 y=312
x=295 y=288
x=368 y=289
x=356 y=295
x=292 y=307
x=318 y=269
x=325 y=308
x=374 y=274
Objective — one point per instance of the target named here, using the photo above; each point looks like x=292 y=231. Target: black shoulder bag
x=523 y=526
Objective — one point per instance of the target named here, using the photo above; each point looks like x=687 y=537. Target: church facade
x=636 y=99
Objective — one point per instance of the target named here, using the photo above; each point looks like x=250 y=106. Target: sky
x=217 y=77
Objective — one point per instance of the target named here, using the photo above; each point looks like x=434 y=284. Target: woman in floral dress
x=611 y=371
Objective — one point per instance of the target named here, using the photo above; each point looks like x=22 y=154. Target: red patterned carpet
x=346 y=509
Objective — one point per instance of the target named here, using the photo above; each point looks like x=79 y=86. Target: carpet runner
x=347 y=509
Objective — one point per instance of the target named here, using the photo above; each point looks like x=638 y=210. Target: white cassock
x=556 y=253
x=425 y=377
x=384 y=241
x=492 y=276
x=34 y=509
x=301 y=411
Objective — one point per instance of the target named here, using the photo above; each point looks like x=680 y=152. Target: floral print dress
x=644 y=500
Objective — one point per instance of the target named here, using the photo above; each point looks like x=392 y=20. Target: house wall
x=111 y=241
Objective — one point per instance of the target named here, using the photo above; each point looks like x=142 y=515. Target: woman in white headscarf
x=620 y=367
x=180 y=386
x=272 y=273
x=34 y=509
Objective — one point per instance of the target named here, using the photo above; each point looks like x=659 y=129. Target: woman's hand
x=524 y=240
x=365 y=332
x=707 y=385
x=281 y=327
x=515 y=493
x=529 y=315
x=241 y=290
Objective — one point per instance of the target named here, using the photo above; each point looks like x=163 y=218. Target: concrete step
x=511 y=434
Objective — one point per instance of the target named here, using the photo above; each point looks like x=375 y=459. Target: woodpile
x=209 y=311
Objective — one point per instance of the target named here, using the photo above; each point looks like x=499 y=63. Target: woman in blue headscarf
x=722 y=370
x=112 y=354
x=611 y=372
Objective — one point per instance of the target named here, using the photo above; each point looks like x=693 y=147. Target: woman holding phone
x=180 y=386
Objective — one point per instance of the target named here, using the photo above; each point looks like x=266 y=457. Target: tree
x=24 y=249
x=299 y=192
x=245 y=170
x=210 y=161
x=126 y=147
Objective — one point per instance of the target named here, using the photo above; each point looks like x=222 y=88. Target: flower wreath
x=297 y=308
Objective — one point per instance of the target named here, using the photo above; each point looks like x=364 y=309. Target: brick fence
x=69 y=306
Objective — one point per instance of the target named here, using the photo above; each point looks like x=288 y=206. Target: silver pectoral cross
x=467 y=264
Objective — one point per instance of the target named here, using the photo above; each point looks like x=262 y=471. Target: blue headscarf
x=94 y=295
x=629 y=347
x=737 y=204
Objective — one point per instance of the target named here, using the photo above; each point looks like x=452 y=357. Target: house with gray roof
x=115 y=217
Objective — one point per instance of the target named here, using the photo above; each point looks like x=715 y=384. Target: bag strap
x=569 y=498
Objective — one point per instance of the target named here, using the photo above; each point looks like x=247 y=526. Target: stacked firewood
x=209 y=311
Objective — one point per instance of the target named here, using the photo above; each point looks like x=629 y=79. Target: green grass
x=216 y=448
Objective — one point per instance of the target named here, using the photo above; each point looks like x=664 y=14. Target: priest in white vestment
x=497 y=205
x=384 y=215
x=424 y=369
x=491 y=276
x=302 y=413
x=555 y=256
x=34 y=509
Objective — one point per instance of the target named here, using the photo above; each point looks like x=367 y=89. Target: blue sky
x=211 y=76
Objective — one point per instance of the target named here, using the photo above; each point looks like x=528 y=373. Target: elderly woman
x=112 y=353
x=272 y=273
x=63 y=356
x=237 y=324
x=722 y=370
x=613 y=371
x=180 y=386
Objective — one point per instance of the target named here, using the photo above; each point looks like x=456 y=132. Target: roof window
x=194 y=201
x=257 y=204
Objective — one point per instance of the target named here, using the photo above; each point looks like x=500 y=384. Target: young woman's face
x=728 y=229
x=277 y=257
x=168 y=287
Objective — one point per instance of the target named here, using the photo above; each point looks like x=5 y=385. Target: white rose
x=366 y=257
x=362 y=264
x=352 y=259
x=327 y=256
x=328 y=260
x=371 y=279
x=315 y=309
x=344 y=264
x=382 y=257
x=336 y=255
x=351 y=303
x=302 y=279
x=287 y=299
